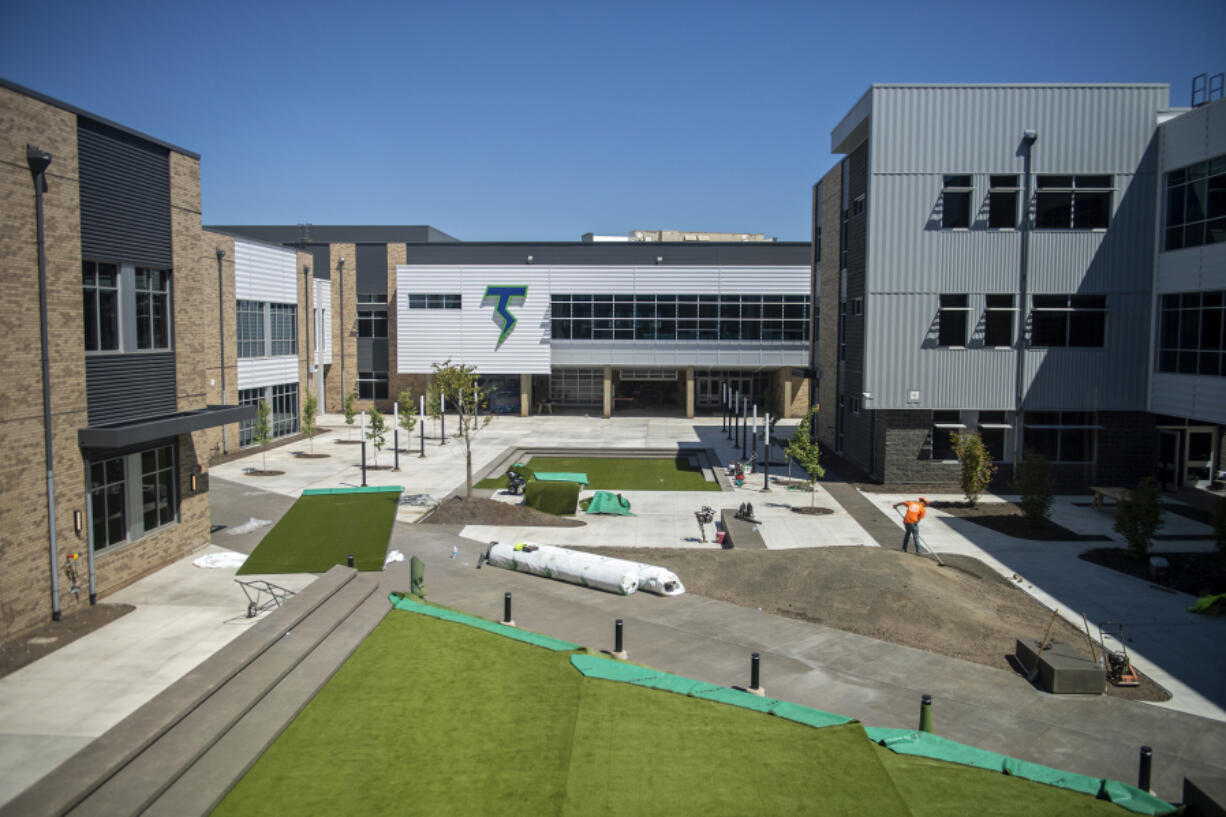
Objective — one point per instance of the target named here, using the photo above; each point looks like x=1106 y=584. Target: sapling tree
x=807 y=452
x=408 y=420
x=351 y=413
x=977 y=466
x=376 y=432
x=457 y=383
x=261 y=431
x=309 y=409
x=1139 y=515
x=1034 y=483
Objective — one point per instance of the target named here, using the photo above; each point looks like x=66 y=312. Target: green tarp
x=549 y=476
x=1205 y=602
x=557 y=498
x=607 y=502
x=401 y=602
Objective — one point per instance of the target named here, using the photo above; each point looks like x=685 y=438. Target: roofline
x=239 y=237
x=1019 y=85
x=24 y=91
x=604 y=245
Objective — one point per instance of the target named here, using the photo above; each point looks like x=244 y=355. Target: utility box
x=1063 y=670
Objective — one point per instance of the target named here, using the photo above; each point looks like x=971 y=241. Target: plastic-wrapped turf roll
x=566 y=565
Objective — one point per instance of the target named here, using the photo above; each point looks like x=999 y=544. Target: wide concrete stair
x=180 y=753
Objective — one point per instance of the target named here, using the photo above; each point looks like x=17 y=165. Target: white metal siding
x=1192 y=396
x=321 y=298
x=267 y=371
x=264 y=273
x=1194 y=136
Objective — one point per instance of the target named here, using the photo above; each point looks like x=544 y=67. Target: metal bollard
x=349 y=560
x=617 y=636
x=506 y=610
x=755 y=671
x=925 y=724
x=1143 y=772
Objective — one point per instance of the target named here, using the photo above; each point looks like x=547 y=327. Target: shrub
x=350 y=412
x=1219 y=524
x=261 y=431
x=977 y=467
x=1139 y=516
x=1034 y=483
x=552 y=497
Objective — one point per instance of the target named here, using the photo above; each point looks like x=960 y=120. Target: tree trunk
x=468 y=457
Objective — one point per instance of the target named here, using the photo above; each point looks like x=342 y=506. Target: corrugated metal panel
x=372 y=268
x=125 y=196
x=265 y=273
x=1194 y=136
x=372 y=355
x=978 y=129
x=1192 y=268
x=1193 y=396
x=257 y=372
x=322 y=299
x=128 y=387
x=685 y=353
x=692 y=253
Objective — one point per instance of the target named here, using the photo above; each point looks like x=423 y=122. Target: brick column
x=525 y=395
x=689 y=392
x=608 y=392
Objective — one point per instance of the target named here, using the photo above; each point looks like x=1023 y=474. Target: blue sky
x=542 y=121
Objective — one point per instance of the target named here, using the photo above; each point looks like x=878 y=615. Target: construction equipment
x=262 y=595
x=705 y=517
x=1034 y=671
x=1118 y=665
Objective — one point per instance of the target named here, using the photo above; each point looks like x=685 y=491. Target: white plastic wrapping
x=602 y=572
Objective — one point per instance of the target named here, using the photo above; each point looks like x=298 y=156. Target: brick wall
x=219 y=324
x=828 y=308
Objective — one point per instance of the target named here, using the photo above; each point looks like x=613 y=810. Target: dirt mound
x=965 y=610
x=482 y=511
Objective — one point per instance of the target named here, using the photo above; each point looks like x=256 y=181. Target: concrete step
x=146 y=776
x=202 y=786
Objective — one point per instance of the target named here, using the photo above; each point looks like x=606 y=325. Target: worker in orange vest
x=910 y=522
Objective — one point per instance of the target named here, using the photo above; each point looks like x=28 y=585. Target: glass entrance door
x=1169 y=450
x=1198 y=454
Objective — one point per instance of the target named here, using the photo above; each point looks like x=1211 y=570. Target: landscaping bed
x=1197 y=573
x=1007 y=518
x=482 y=511
x=622 y=473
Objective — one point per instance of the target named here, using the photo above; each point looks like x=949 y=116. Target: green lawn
x=320 y=531
x=621 y=473
x=434 y=717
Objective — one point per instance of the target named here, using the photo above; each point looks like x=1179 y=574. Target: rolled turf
x=320 y=531
x=622 y=473
x=434 y=717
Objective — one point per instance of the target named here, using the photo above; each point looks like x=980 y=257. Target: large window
x=100 y=284
x=956 y=202
x=1002 y=202
x=250 y=316
x=246 y=428
x=951 y=320
x=1061 y=436
x=152 y=308
x=1192 y=339
x=372 y=385
x=1069 y=320
x=1196 y=205
x=944 y=424
x=998 y=321
x=993 y=426
x=576 y=387
x=372 y=323
x=434 y=301
x=283 y=321
x=778 y=318
x=1073 y=202
x=284 y=409
x=132 y=496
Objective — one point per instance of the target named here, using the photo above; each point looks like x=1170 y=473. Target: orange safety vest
x=915 y=512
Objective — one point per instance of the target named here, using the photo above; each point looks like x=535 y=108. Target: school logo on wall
x=502 y=313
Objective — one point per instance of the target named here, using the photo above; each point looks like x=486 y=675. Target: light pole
x=1029 y=137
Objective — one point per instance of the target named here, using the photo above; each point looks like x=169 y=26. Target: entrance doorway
x=1186 y=455
x=1169 y=450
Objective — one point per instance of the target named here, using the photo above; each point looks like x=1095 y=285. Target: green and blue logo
x=504 y=294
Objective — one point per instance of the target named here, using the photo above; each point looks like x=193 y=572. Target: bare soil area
x=965 y=610
x=31 y=645
x=483 y=511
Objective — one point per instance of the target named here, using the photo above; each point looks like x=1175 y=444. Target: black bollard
x=925 y=724
x=506 y=609
x=349 y=560
x=617 y=637
x=421 y=431
x=755 y=671
x=396 y=447
x=363 y=463
x=1143 y=773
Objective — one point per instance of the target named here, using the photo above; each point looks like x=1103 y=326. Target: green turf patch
x=433 y=716
x=321 y=530
x=622 y=473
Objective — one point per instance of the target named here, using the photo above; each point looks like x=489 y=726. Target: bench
x=738 y=532
x=1110 y=493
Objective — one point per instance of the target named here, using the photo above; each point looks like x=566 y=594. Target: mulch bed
x=1199 y=574
x=347 y=442
x=258 y=473
x=814 y=511
x=482 y=511
x=305 y=456
x=1007 y=518
x=31 y=645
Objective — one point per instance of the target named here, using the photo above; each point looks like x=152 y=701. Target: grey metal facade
x=690 y=253
x=372 y=269
x=129 y=387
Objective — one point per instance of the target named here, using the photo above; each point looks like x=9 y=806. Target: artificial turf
x=320 y=531
x=622 y=473
x=434 y=717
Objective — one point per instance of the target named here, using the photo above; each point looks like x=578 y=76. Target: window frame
x=372 y=385
x=1210 y=174
x=281 y=317
x=958 y=187
x=1066 y=424
x=92 y=293
x=999 y=191
x=962 y=312
x=1071 y=312
x=1052 y=197
x=989 y=311
x=1186 y=323
x=134 y=307
x=125 y=479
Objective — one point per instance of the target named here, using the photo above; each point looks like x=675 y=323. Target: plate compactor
x=1119 y=667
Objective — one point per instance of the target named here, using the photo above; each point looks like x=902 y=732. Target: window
x=372 y=297
x=372 y=323
x=842 y=331
x=118 y=514
x=1073 y=202
x=152 y=308
x=100 y=284
x=372 y=385
x=857 y=206
x=250 y=317
x=1002 y=202
x=782 y=318
x=956 y=202
x=283 y=322
x=857 y=307
x=1061 y=436
x=992 y=428
x=427 y=301
x=1191 y=339
x=952 y=319
x=998 y=321
x=1196 y=205
x=576 y=387
x=1069 y=320
x=246 y=428
x=285 y=409
x=944 y=423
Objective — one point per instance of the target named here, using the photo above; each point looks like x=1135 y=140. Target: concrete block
x=739 y=533
x=1062 y=668
x=1206 y=797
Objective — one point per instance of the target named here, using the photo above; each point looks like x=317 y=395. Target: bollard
x=925 y=724
x=349 y=560
x=755 y=671
x=619 y=649
x=1143 y=773
x=506 y=610
x=417 y=576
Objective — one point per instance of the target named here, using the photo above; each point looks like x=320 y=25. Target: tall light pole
x=1029 y=137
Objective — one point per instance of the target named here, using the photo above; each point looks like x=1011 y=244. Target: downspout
x=38 y=160
x=309 y=318
x=1028 y=139
x=221 y=332
x=340 y=269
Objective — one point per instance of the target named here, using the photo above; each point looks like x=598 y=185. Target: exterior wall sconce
x=659 y=259
x=193 y=482
x=78 y=521
x=529 y=261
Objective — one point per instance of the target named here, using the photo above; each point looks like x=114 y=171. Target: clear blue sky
x=542 y=121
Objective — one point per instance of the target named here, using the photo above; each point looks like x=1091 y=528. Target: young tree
x=408 y=417
x=376 y=431
x=1035 y=485
x=350 y=412
x=977 y=467
x=261 y=431
x=807 y=453
x=309 y=409
x=457 y=383
x=1219 y=524
x=1139 y=516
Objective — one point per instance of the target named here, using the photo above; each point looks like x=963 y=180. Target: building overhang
x=148 y=429
x=853 y=129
